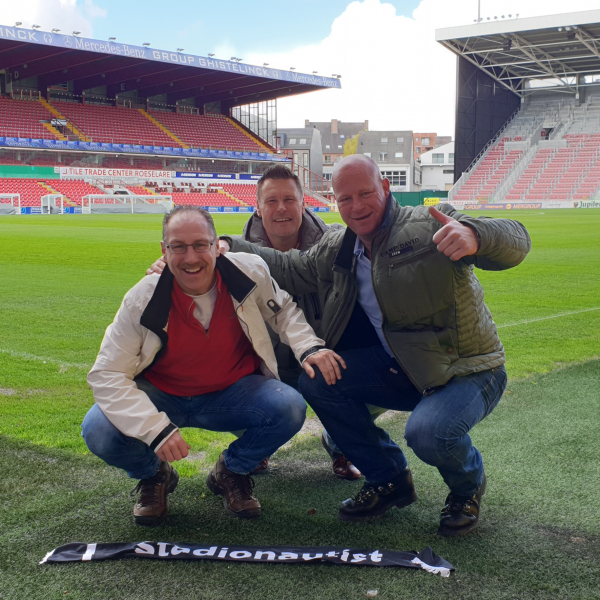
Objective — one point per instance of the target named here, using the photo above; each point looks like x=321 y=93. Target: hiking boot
x=263 y=467
x=236 y=491
x=374 y=500
x=461 y=513
x=152 y=508
x=342 y=467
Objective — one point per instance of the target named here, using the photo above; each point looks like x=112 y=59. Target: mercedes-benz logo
x=47 y=38
x=275 y=74
x=67 y=41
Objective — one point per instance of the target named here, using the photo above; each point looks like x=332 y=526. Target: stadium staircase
x=564 y=166
x=25 y=118
x=58 y=115
x=163 y=128
x=261 y=144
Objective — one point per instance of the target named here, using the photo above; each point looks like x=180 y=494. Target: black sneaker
x=374 y=500
x=461 y=513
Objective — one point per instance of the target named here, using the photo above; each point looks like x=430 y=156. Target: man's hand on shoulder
x=329 y=364
x=223 y=246
x=175 y=448
x=157 y=266
x=454 y=239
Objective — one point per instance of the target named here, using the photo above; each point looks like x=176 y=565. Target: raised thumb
x=439 y=216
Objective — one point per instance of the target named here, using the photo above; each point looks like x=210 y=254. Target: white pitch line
x=566 y=314
x=45 y=359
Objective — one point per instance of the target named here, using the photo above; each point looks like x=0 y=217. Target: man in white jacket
x=191 y=349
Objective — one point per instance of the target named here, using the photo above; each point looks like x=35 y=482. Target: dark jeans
x=437 y=430
x=269 y=412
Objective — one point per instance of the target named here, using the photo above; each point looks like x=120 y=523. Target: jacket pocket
x=426 y=355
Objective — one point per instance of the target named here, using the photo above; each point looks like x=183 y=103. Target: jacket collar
x=345 y=254
x=156 y=314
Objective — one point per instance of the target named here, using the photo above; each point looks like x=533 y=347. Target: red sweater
x=196 y=360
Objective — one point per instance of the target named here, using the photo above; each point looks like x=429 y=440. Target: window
x=399 y=155
x=305 y=159
x=417 y=139
x=400 y=140
x=340 y=147
x=397 y=178
x=292 y=142
x=328 y=159
x=367 y=154
x=384 y=140
x=437 y=159
x=382 y=156
x=341 y=136
x=425 y=141
x=451 y=158
x=303 y=141
x=418 y=149
x=448 y=171
x=327 y=147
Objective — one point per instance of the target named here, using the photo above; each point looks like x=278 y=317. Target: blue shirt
x=366 y=293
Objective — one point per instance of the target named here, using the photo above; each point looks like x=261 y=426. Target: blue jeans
x=269 y=411
x=437 y=430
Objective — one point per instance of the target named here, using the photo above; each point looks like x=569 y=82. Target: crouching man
x=190 y=348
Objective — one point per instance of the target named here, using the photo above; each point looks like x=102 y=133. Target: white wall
x=433 y=176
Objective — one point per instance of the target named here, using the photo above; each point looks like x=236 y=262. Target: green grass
x=63 y=278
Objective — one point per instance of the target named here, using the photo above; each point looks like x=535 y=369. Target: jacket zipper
x=408 y=259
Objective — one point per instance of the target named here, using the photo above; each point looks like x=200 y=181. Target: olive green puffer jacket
x=435 y=319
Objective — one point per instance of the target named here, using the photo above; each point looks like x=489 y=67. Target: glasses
x=199 y=247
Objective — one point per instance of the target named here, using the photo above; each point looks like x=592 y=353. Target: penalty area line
x=566 y=314
x=44 y=359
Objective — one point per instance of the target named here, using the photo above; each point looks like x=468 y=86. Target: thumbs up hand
x=453 y=239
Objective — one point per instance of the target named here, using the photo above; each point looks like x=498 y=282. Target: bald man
x=403 y=307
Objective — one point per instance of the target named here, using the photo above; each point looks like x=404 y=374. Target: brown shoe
x=236 y=491
x=460 y=516
x=263 y=467
x=342 y=467
x=152 y=508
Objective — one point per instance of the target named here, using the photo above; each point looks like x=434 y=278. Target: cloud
x=393 y=71
x=64 y=14
x=94 y=11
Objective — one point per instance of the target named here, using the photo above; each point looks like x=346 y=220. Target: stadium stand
x=115 y=125
x=72 y=190
x=26 y=119
x=210 y=131
x=563 y=166
x=31 y=191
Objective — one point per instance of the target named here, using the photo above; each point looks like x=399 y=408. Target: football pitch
x=62 y=280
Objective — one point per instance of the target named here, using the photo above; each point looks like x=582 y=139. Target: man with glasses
x=190 y=348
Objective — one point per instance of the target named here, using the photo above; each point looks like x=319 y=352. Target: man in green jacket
x=403 y=307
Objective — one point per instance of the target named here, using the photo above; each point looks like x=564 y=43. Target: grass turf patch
x=539 y=536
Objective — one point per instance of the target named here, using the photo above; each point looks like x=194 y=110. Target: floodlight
x=495 y=17
x=35 y=26
x=233 y=58
x=510 y=16
x=265 y=64
x=18 y=23
x=488 y=18
x=517 y=15
x=112 y=39
x=146 y=44
x=76 y=33
x=180 y=49
x=560 y=29
x=292 y=68
x=503 y=16
x=211 y=55
x=567 y=29
x=239 y=59
x=56 y=30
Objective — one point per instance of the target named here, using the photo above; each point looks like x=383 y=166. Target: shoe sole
x=214 y=487
x=155 y=521
x=347 y=477
x=406 y=501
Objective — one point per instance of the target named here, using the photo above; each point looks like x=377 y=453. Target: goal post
x=13 y=199
x=50 y=201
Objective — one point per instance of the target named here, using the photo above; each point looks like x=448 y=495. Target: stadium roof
x=56 y=59
x=517 y=52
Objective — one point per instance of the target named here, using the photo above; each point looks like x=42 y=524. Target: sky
x=393 y=71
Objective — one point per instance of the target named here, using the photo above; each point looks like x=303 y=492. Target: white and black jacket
x=139 y=331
